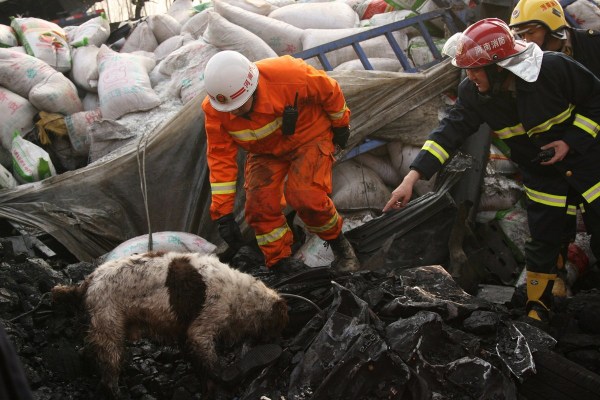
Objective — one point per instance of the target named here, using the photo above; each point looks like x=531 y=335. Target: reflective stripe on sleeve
x=510 y=131
x=586 y=125
x=339 y=114
x=571 y=209
x=248 y=135
x=546 y=125
x=330 y=224
x=223 y=187
x=272 y=236
x=592 y=193
x=546 y=198
x=436 y=150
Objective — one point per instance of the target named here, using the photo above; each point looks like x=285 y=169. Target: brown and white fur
x=186 y=297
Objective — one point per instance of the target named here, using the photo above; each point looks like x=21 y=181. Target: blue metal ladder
x=387 y=30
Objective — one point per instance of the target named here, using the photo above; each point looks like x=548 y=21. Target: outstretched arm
x=403 y=193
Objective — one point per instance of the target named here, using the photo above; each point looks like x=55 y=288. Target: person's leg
x=307 y=191
x=548 y=225
x=264 y=180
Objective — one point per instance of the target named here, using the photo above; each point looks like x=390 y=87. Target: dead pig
x=186 y=297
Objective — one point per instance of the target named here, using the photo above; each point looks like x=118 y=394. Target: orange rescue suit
x=305 y=158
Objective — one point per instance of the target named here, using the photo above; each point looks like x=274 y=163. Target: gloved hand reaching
x=341 y=135
x=230 y=232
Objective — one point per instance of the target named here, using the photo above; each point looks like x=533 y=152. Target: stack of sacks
x=159 y=66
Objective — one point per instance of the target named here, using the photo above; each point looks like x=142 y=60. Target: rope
x=144 y=187
x=295 y=296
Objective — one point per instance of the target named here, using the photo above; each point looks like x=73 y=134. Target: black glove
x=341 y=135
x=230 y=232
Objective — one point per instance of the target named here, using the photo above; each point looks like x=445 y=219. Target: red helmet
x=485 y=42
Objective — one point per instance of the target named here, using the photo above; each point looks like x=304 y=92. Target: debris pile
x=407 y=333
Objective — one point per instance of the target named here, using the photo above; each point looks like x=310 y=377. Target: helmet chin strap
x=495 y=78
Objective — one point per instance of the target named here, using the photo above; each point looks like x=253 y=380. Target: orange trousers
x=306 y=190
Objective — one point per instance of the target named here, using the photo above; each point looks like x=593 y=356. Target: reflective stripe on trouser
x=308 y=171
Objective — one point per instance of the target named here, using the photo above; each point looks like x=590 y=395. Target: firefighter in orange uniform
x=289 y=117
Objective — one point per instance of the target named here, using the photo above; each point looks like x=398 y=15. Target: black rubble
x=402 y=334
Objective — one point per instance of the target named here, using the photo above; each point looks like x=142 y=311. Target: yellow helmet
x=546 y=12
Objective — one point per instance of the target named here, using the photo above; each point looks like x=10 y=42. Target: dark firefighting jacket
x=562 y=104
x=585 y=45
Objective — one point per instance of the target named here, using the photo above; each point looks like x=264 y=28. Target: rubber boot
x=539 y=295
x=288 y=265
x=345 y=258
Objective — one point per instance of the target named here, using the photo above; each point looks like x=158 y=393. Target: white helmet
x=230 y=79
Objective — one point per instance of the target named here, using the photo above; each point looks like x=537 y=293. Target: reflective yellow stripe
x=546 y=198
x=586 y=124
x=247 y=135
x=571 y=209
x=339 y=114
x=592 y=193
x=581 y=208
x=223 y=187
x=330 y=224
x=544 y=126
x=511 y=131
x=272 y=236
x=436 y=150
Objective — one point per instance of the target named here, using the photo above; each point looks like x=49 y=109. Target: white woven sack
x=182 y=57
x=44 y=40
x=261 y=7
x=357 y=187
x=94 y=31
x=78 y=129
x=17 y=114
x=382 y=166
x=188 y=82
x=419 y=52
x=7 y=36
x=56 y=94
x=401 y=156
x=329 y=15
x=586 y=12
x=163 y=26
x=196 y=25
x=162 y=241
x=378 y=64
x=280 y=36
x=375 y=47
x=85 y=68
x=170 y=45
x=227 y=36
x=31 y=163
x=124 y=85
x=181 y=10
x=142 y=38
x=20 y=72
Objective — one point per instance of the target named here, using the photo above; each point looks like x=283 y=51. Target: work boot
x=539 y=295
x=345 y=258
x=288 y=265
